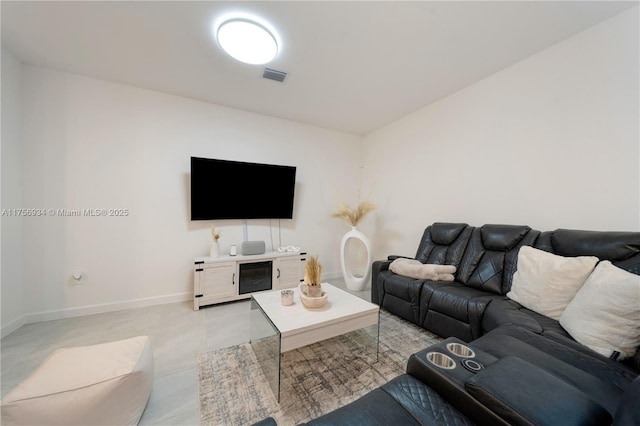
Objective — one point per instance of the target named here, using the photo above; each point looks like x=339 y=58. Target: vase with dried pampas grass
x=354 y=216
x=215 y=235
x=214 y=251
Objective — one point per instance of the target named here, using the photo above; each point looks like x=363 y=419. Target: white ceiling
x=353 y=66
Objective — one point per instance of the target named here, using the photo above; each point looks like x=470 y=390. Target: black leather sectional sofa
x=534 y=372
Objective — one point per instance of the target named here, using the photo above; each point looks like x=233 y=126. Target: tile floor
x=178 y=334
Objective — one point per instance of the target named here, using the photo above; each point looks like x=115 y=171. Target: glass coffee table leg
x=373 y=341
x=265 y=342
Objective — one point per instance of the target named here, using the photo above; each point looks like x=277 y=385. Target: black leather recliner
x=536 y=374
x=485 y=273
x=510 y=392
x=404 y=400
x=475 y=308
x=485 y=258
x=441 y=243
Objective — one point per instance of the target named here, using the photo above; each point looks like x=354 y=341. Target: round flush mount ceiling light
x=247 y=41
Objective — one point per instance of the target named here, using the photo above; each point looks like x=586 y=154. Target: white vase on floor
x=214 y=251
x=353 y=282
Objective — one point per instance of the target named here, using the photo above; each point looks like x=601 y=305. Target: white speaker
x=253 y=247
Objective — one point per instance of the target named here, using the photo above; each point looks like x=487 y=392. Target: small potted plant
x=311 y=293
x=313 y=271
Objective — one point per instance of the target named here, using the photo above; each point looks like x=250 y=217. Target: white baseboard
x=12 y=326
x=93 y=309
x=109 y=307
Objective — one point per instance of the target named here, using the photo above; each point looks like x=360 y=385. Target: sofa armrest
x=377 y=289
x=524 y=394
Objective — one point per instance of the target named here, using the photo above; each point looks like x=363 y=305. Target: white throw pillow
x=546 y=283
x=605 y=314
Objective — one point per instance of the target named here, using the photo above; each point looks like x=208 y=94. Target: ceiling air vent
x=274 y=75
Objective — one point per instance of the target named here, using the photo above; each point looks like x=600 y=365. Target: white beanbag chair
x=106 y=384
x=415 y=269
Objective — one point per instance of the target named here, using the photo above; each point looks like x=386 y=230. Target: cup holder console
x=441 y=360
x=458 y=349
x=455 y=360
x=446 y=367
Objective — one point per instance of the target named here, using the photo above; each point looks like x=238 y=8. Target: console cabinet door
x=289 y=271
x=213 y=283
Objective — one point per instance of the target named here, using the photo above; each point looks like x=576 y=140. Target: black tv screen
x=222 y=189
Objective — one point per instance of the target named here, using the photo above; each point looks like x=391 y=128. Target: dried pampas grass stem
x=354 y=216
x=313 y=271
x=215 y=234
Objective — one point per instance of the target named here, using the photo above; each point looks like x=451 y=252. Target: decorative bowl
x=310 y=301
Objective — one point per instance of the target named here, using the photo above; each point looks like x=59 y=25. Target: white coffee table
x=276 y=329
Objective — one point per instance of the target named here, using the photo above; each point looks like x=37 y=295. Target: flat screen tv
x=222 y=189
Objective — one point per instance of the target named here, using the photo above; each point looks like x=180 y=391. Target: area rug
x=316 y=379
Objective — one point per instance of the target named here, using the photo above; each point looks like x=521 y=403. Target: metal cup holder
x=441 y=360
x=460 y=350
x=471 y=365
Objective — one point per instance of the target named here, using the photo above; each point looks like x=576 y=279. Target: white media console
x=229 y=278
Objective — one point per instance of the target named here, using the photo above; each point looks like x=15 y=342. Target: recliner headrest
x=604 y=245
x=502 y=237
x=446 y=233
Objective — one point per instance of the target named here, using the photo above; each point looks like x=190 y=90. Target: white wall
x=94 y=144
x=551 y=142
x=11 y=259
